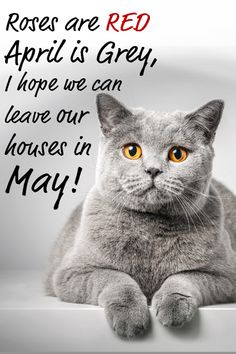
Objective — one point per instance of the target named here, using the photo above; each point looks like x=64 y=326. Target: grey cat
x=156 y=228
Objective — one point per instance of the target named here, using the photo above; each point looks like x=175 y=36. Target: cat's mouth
x=154 y=190
x=136 y=186
x=148 y=190
x=160 y=194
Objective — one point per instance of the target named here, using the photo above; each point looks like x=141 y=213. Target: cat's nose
x=153 y=172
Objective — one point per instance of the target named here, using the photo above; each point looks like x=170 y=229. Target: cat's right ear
x=205 y=120
x=110 y=112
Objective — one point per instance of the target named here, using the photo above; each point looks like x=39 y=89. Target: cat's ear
x=205 y=120
x=110 y=112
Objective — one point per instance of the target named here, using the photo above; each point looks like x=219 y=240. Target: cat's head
x=152 y=160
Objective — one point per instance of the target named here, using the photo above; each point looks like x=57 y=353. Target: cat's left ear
x=206 y=119
x=110 y=112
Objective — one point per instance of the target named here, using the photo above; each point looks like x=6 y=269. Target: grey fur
x=169 y=241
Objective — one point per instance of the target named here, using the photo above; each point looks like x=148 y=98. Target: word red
x=141 y=21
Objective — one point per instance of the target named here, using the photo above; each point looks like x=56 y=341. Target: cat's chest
x=147 y=247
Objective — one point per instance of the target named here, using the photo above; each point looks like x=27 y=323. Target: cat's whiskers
x=187 y=204
x=201 y=178
x=118 y=217
x=119 y=200
x=208 y=196
x=174 y=186
x=201 y=211
x=191 y=206
x=140 y=186
x=190 y=216
x=195 y=191
x=116 y=200
x=185 y=212
x=184 y=207
x=136 y=187
x=174 y=181
x=130 y=178
x=211 y=222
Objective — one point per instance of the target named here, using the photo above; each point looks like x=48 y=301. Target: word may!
x=42 y=183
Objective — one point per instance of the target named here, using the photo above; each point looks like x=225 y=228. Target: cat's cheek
x=180 y=168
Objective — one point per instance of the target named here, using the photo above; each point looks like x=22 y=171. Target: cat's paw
x=174 y=309
x=128 y=321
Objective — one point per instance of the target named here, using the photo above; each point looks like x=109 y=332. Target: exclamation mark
x=77 y=177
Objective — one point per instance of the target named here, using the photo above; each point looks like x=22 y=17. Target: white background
x=194 y=42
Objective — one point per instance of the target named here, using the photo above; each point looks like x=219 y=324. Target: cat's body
x=134 y=242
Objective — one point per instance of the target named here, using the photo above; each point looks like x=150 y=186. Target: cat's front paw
x=174 y=309
x=128 y=321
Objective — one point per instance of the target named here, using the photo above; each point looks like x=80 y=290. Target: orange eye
x=178 y=154
x=132 y=151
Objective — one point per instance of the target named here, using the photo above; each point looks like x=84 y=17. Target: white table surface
x=31 y=322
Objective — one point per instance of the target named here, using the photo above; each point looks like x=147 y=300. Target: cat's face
x=148 y=161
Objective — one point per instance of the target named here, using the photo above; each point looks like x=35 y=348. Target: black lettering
x=78 y=57
x=78 y=84
x=59 y=187
x=11 y=146
x=8 y=83
x=76 y=24
x=19 y=180
x=41 y=183
x=80 y=151
x=14 y=17
x=108 y=55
